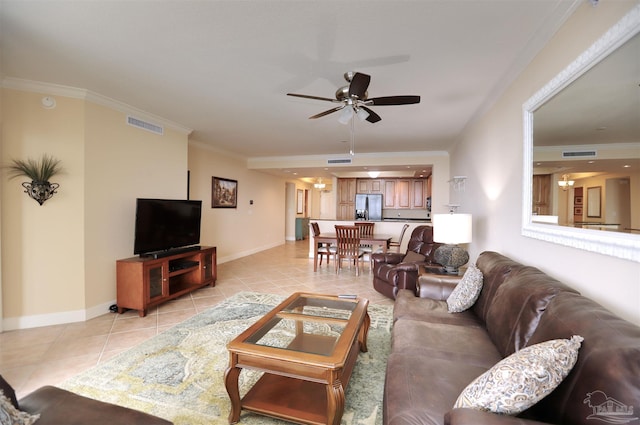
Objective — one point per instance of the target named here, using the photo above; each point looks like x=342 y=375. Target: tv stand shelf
x=144 y=282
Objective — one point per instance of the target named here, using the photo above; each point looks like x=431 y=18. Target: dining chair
x=348 y=246
x=396 y=245
x=324 y=249
x=366 y=229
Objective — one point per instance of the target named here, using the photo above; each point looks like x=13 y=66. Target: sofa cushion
x=467 y=291
x=469 y=345
x=413 y=257
x=518 y=305
x=495 y=269
x=11 y=415
x=609 y=361
x=522 y=379
x=408 y=306
x=419 y=390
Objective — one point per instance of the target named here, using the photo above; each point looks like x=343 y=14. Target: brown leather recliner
x=391 y=272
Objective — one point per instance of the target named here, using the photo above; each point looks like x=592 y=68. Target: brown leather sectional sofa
x=60 y=407
x=436 y=354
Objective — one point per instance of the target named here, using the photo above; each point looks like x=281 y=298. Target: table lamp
x=451 y=229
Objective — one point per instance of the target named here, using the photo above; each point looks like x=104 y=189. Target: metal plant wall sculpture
x=40 y=172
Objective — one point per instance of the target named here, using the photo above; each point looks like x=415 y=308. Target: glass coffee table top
x=308 y=324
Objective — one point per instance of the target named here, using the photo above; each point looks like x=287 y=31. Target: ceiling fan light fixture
x=362 y=114
x=345 y=115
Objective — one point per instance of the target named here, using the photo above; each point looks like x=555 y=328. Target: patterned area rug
x=179 y=374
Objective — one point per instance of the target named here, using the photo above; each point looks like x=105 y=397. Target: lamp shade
x=452 y=228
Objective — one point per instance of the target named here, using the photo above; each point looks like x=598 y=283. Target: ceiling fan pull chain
x=352 y=149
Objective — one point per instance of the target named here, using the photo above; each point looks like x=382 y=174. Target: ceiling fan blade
x=330 y=111
x=394 y=100
x=359 y=84
x=373 y=117
x=306 y=96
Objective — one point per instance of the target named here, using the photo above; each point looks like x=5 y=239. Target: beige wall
x=490 y=154
x=244 y=230
x=43 y=271
x=122 y=163
x=62 y=254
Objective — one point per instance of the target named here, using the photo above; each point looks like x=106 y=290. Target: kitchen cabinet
x=397 y=193
x=389 y=195
x=369 y=186
x=346 y=207
x=418 y=194
x=403 y=193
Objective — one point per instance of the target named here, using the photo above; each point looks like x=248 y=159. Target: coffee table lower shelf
x=287 y=398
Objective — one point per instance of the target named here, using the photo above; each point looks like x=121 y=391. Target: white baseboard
x=238 y=255
x=38 y=320
x=61 y=318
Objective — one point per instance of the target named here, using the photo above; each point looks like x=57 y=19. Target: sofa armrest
x=407 y=267
x=477 y=417
x=57 y=406
x=436 y=286
x=387 y=257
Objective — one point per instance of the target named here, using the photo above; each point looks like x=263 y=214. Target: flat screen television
x=166 y=224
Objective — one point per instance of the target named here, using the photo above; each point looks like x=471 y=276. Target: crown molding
x=89 y=96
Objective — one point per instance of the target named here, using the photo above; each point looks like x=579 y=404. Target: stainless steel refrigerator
x=368 y=207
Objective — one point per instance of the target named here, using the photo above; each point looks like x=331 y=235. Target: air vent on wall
x=339 y=161
x=579 y=154
x=136 y=122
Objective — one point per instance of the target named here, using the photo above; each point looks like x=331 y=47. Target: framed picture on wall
x=577 y=200
x=593 y=201
x=300 y=201
x=577 y=211
x=224 y=193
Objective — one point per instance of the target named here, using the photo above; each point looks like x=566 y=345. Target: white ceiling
x=223 y=68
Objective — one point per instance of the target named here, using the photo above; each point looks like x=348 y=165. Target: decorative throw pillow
x=10 y=415
x=467 y=291
x=521 y=380
x=413 y=257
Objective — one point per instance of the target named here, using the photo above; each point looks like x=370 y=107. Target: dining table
x=377 y=239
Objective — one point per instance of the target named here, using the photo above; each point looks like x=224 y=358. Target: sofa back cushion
x=518 y=305
x=495 y=269
x=606 y=377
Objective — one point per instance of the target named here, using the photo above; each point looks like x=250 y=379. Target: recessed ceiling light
x=627 y=166
x=591 y=162
x=601 y=128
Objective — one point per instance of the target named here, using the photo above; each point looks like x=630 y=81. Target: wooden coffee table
x=307 y=347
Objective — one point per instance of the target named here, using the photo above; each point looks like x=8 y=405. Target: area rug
x=179 y=374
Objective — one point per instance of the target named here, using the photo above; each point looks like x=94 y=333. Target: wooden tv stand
x=144 y=282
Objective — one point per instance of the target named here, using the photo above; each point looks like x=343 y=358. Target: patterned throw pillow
x=10 y=415
x=466 y=291
x=521 y=380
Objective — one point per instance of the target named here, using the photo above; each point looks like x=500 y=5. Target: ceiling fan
x=353 y=99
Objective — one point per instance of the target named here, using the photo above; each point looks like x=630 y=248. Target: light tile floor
x=31 y=358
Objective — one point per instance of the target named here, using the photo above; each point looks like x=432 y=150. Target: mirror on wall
x=582 y=149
